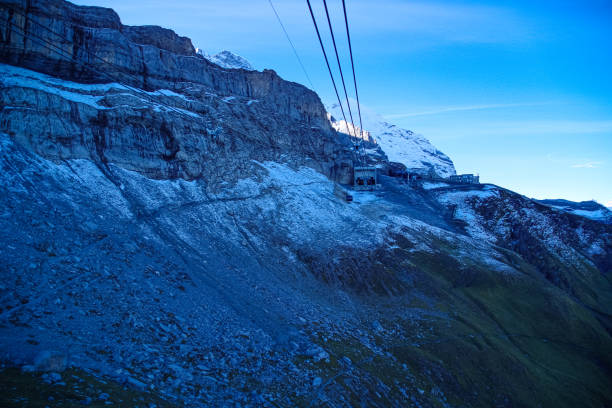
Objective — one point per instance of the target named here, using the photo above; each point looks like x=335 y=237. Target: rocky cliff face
x=200 y=110
x=170 y=236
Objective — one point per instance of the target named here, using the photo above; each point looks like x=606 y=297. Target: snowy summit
x=400 y=145
x=227 y=59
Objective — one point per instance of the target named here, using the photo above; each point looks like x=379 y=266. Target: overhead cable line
x=331 y=31
x=348 y=35
x=314 y=21
x=291 y=43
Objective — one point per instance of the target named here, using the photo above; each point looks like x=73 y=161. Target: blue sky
x=518 y=91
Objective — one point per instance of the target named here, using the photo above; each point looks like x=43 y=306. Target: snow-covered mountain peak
x=227 y=59
x=588 y=209
x=400 y=145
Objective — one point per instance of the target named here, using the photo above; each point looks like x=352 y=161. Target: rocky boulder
x=50 y=361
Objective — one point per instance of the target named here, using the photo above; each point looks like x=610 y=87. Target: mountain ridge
x=590 y=209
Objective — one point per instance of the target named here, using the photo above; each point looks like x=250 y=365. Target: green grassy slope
x=492 y=339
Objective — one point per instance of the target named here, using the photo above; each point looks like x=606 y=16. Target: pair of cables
x=348 y=35
x=357 y=140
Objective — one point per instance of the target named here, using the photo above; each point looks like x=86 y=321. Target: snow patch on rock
x=227 y=59
x=463 y=202
x=587 y=209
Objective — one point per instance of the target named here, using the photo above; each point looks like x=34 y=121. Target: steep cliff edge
x=231 y=115
x=170 y=236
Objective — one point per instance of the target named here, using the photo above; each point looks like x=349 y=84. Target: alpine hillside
x=171 y=237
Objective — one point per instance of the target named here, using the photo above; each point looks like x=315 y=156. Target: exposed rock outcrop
x=159 y=37
x=231 y=115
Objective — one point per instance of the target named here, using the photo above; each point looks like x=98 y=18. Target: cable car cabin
x=365 y=178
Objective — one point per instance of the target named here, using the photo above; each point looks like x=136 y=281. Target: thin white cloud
x=575 y=162
x=588 y=165
x=555 y=126
x=493 y=129
x=447 y=109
